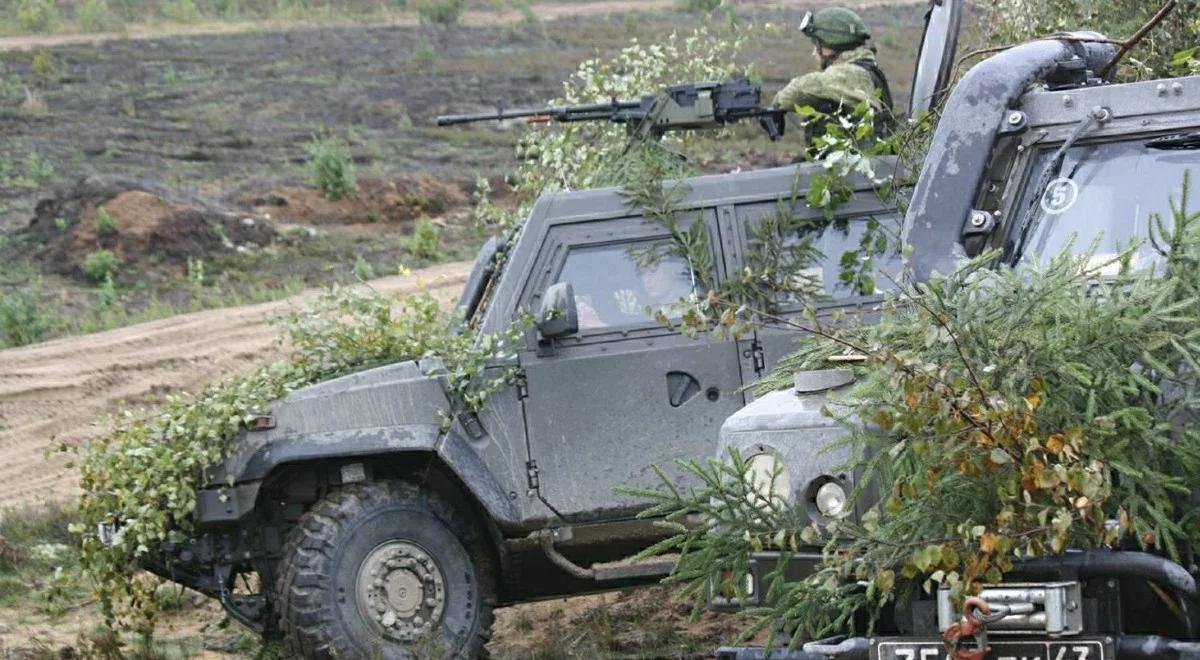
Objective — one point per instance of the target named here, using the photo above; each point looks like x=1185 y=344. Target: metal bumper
x=225 y=504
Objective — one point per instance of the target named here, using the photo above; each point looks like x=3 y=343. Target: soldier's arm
x=807 y=89
x=839 y=83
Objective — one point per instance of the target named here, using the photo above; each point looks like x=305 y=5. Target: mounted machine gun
x=692 y=106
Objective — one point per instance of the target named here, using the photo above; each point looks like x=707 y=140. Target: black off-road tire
x=316 y=592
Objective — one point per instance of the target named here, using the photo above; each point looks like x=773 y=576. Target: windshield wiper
x=1030 y=217
x=1178 y=141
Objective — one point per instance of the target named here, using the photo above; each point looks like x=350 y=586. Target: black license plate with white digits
x=930 y=649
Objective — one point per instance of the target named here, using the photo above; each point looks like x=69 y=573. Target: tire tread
x=302 y=601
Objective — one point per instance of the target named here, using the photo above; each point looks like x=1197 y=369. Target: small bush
x=330 y=166
x=101 y=265
x=106 y=301
x=37 y=168
x=700 y=6
x=426 y=54
x=363 y=270
x=44 y=66
x=426 y=242
x=226 y=9
x=632 y=23
x=180 y=11
x=37 y=15
x=104 y=222
x=95 y=16
x=440 y=12
x=23 y=318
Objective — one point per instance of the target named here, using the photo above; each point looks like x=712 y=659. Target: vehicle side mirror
x=558 y=316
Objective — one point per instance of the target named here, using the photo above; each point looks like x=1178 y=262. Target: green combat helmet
x=835 y=27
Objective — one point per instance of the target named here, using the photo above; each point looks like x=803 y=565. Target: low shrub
x=95 y=16
x=180 y=11
x=330 y=166
x=23 y=317
x=426 y=54
x=426 y=240
x=104 y=222
x=363 y=270
x=440 y=12
x=44 y=65
x=699 y=6
x=100 y=265
x=37 y=15
x=226 y=9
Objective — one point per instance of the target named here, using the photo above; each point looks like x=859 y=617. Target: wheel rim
x=401 y=591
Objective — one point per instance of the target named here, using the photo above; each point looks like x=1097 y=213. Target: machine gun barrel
x=688 y=107
x=585 y=112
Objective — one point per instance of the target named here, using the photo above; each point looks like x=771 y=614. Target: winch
x=1051 y=609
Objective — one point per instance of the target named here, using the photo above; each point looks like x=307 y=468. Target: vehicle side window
x=615 y=283
x=841 y=240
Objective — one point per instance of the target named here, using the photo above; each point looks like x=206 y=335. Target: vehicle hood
x=382 y=407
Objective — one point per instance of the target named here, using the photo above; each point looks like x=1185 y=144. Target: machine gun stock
x=693 y=106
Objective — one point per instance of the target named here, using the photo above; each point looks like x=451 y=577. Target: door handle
x=681 y=387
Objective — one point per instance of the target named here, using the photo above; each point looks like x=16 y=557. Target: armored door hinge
x=755 y=353
x=522 y=385
x=531 y=473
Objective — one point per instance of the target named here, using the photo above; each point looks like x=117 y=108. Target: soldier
x=848 y=75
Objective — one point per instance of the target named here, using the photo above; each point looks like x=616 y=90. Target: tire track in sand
x=61 y=391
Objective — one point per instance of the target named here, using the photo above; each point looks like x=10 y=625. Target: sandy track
x=60 y=391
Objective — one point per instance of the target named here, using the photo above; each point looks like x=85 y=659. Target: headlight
x=831 y=500
x=768 y=479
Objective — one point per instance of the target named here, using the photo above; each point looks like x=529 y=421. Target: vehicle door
x=840 y=242
x=625 y=392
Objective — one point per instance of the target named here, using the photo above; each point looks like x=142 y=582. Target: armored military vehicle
x=349 y=522
x=363 y=528
x=1035 y=151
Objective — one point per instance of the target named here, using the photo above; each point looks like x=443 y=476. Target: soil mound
x=376 y=200
x=141 y=224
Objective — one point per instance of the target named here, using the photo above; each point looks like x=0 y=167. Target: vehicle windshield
x=1105 y=194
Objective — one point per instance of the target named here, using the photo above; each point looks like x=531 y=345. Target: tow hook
x=977 y=614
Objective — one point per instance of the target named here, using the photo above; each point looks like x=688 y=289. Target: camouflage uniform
x=849 y=74
x=842 y=82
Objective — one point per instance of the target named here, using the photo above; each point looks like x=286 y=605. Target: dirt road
x=59 y=391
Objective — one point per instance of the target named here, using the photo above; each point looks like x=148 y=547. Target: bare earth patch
x=57 y=392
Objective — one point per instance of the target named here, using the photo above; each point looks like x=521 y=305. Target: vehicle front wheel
x=387 y=570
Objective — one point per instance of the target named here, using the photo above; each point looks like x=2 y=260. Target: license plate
x=920 y=649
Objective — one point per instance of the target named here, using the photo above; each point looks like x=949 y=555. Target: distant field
x=221 y=122
x=213 y=115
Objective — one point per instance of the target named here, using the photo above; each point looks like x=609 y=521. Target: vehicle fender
x=230 y=503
